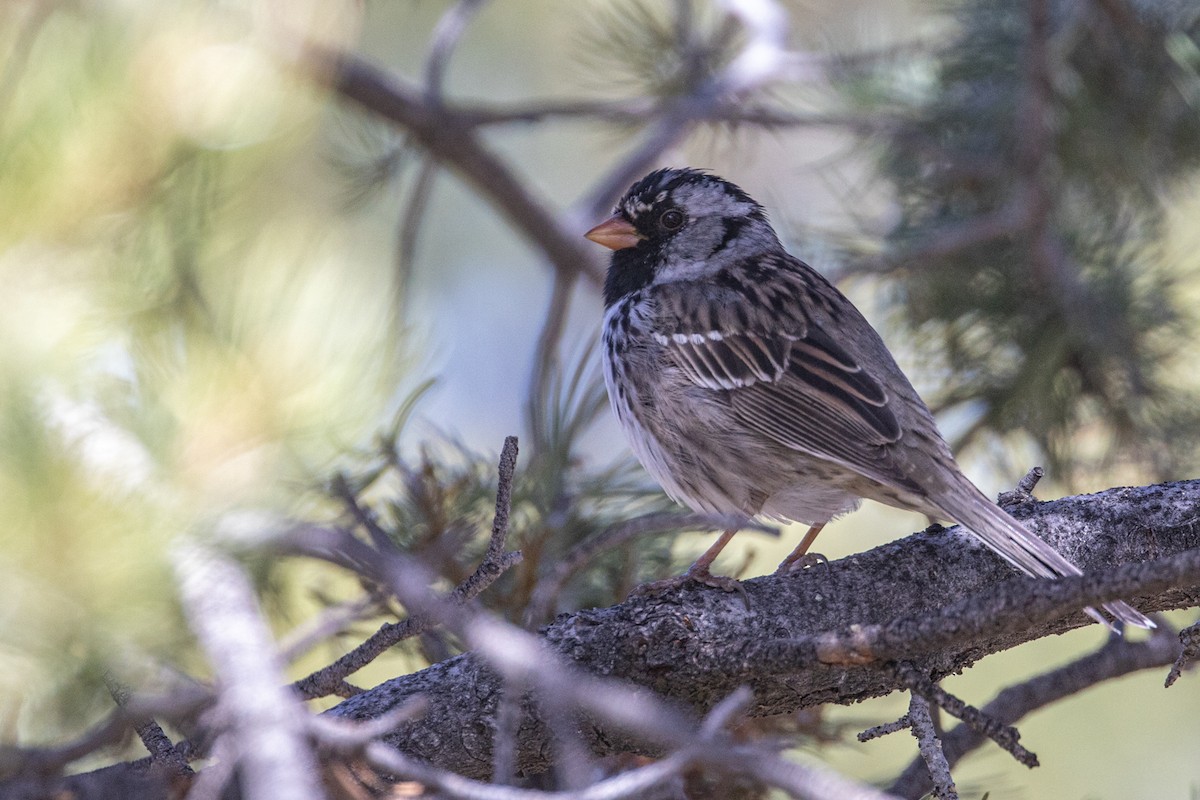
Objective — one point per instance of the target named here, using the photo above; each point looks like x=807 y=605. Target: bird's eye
x=672 y=220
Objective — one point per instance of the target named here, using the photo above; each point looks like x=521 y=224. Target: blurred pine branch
x=1034 y=169
x=436 y=503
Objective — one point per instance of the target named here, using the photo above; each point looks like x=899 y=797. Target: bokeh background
x=214 y=294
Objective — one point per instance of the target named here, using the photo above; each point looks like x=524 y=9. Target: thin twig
x=930 y=747
x=885 y=729
x=573 y=764
x=331 y=621
x=726 y=713
x=363 y=516
x=1189 y=637
x=1117 y=657
x=211 y=782
x=347 y=736
x=162 y=750
x=508 y=727
x=410 y=226
x=1006 y=736
x=627 y=785
x=446 y=35
x=756 y=762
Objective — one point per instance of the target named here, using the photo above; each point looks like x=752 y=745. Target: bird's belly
x=684 y=438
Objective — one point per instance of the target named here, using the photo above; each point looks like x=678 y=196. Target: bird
x=749 y=386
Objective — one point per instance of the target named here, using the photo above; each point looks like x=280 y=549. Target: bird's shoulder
x=783 y=341
x=774 y=294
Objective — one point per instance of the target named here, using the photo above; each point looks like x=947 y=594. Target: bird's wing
x=786 y=379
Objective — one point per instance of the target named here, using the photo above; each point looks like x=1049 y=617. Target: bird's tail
x=1023 y=549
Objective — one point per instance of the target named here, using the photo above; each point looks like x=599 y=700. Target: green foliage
x=159 y=360
x=1034 y=171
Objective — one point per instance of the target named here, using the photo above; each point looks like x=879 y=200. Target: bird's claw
x=803 y=562
x=725 y=584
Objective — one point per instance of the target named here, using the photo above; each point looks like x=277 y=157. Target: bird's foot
x=789 y=565
x=693 y=575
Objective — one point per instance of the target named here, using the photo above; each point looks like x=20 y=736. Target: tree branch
x=436 y=128
x=938 y=599
x=264 y=720
x=936 y=766
x=1117 y=657
x=1189 y=638
x=1006 y=736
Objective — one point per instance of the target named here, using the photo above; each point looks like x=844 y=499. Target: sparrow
x=748 y=385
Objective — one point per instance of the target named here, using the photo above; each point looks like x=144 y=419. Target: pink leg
x=700 y=567
x=801 y=550
x=699 y=573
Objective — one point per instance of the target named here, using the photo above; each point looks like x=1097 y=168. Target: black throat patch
x=631 y=269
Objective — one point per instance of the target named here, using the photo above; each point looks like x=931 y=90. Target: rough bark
x=697 y=645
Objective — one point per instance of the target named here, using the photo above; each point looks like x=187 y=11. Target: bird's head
x=679 y=225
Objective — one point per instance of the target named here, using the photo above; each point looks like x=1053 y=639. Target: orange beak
x=615 y=233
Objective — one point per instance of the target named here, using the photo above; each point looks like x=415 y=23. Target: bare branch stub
x=885 y=729
x=930 y=747
x=1023 y=493
x=1189 y=637
x=506 y=470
